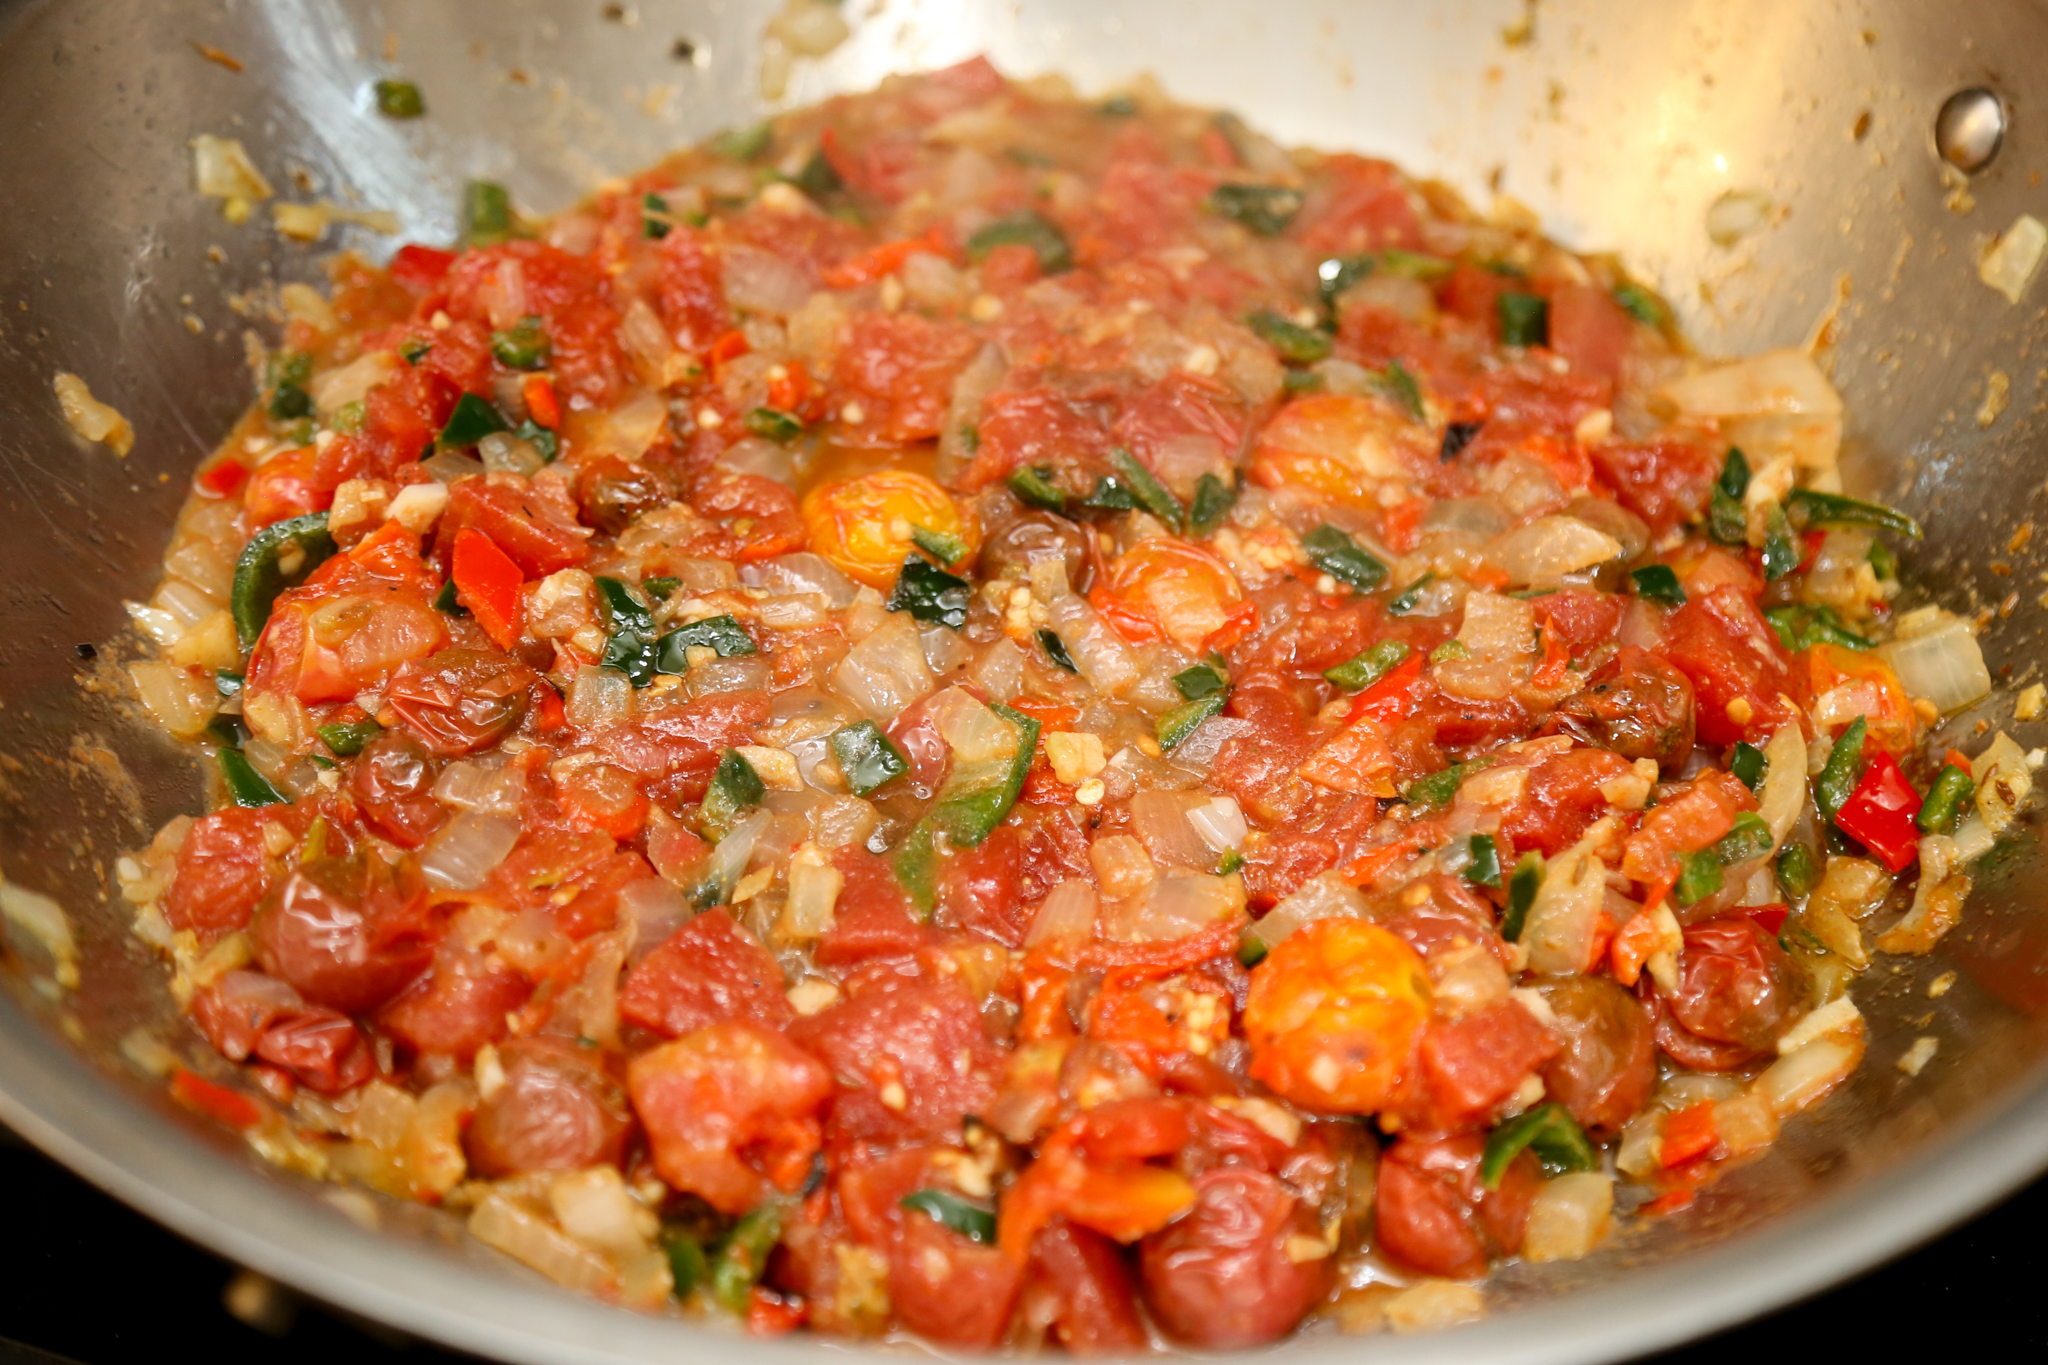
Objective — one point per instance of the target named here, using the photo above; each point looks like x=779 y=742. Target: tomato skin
x=980 y=888
x=457 y=1006
x=1097 y=1306
x=558 y=1110
x=757 y=517
x=708 y=971
x=712 y=1098
x=1736 y=992
x=863 y=526
x=347 y=934
x=247 y=1014
x=1433 y=1212
x=949 y=1289
x=1350 y=1051
x=1665 y=482
x=1608 y=1063
x=1639 y=706
x=1562 y=800
x=925 y=1040
x=1685 y=822
x=286 y=485
x=691 y=296
x=1221 y=1278
x=420 y=269
x=1338 y=445
x=460 y=700
x=1591 y=330
x=1028 y=427
x=1867 y=686
x=1357 y=204
x=223 y=870
x=874 y=918
x=393 y=786
x=533 y=534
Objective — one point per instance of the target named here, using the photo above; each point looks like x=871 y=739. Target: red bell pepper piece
x=541 y=404
x=487 y=582
x=1879 y=813
x=217 y=1102
x=421 y=269
x=1689 y=1133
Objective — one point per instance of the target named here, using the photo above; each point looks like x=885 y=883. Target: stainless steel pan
x=1620 y=123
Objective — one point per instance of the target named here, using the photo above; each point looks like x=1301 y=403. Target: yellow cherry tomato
x=1339 y=445
x=1335 y=1013
x=864 y=527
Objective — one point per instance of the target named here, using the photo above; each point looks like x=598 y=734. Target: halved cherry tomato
x=1337 y=445
x=1335 y=1013
x=863 y=527
x=1168 y=587
x=1846 y=683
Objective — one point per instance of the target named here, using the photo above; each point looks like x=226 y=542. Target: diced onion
x=92 y=419
x=222 y=170
x=758 y=281
x=814 y=886
x=885 y=672
x=730 y=855
x=1944 y=665
x=809 y=28
x=1220 y=822
x=599 y=697
x=1735 y=215
x=350 y=383
x=1096 y=649
x=1181 y=903
x=803 y=572
x=1849 y=890
x=945 y=650
x=1065 y=918
x=1563 y=920
x=1568 y=1217
x=714 y=676
x=1798 y=1080
x=1325 y=896
x=43 y=920
x=181 y=703
x=1783 y=383
x=1784 y=790
x=1199 y=749
x=1497 y=627
x=477 y=785
x=1160 y=819
x=528 y=1237
x=594 y=1207
x=465 y=850
x=999 y=670
x=1548 y=548
x=655 y=909
x=2009 y=265
x=2004 y=778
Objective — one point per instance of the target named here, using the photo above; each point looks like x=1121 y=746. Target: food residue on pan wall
x=90 y=418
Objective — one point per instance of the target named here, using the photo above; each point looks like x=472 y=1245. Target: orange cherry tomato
x=864 y=527
x=1339 y=445
x=1335 y=1012
x=1845 y=683
x=1168 y=587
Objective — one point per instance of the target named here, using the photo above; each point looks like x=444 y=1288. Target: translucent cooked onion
x=1065 y=918
x=43 y=920
x=885 y=672
x=1613 y=520
x=222 y=169
x=181 y=703
x=594 y=1207
x=1563 y=920
x=1569 y=1217
x=974 y=733
x=599 y=697
x=1324 y=896
x=482 y=786
x=1160 y=819
x=1220 y=822
x=758 y=281
x=999 y=670
x=2004 y=778
x=1945 y=665
x=1096 y=649
x=1481 y=517
x=352 y=382
x=655 y=909
x=1181 y=903
x=1798 y=1080
x=466 y=849
x=642 y=337
x=945 y=649
x=803 y=572
x=729 y=856
x=1784 y=790
x=526 y=1236
x=1782 y=383
x=1199 y=749
x=1497 y=627
x=714 y=676
x=814 y=886
x=1550 y=547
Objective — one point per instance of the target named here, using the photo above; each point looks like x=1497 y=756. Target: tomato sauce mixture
x=1021 y=720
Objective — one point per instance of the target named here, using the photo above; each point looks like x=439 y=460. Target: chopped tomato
x=487 y=582
x=705 y=973
x=216 y=1102
x=1688 y=1133
x=1340 y=446
x=541 y=404
x=1166 y=587
x=1738 y=669
x=421 y=269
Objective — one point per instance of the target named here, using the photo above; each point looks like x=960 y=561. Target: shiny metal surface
x=1619 y=123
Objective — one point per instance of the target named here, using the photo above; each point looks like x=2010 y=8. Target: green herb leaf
x=1043 y=236
x=976 y=798
x=1524 y=318
x=1149 y=492
x=774 y=424
x=1056 y=650
x=1802 y=627
x=1814 y=508
x=1399 y=385
x=473 y=419
x=630 y=645
x=1798 y=870
x=1410 y=597
x=289 y=403
x=1265 y=209
x=277 y=557
x=867 y=758
x=1296 y=344
x=399 y=99
x=523 y=346
x=1339 y=556
x=1176 y=724
x=1252 y=951
x=735 y=789
x=722 y=634
x=929 y=593
x=1747 y=764
x=949 y=1210
x=1548 y=1130
x=1200 y=681
x=1646 y=306
x=486 y=213
x=413 y=350
x=1727 y=520
x=1453 y=648
x=1111 y=495
x=1368 y=667
x=1484 y=869
x=1035 y=487
x=1658 y=583
x=943 y=546
x=1523 y=885
x=1437 y=788
x=1293 y=381
x=247 y=786
x=1781 y=551
x=345 y=739
x=744 y=144
x=347 y=419
x=655 y=222
x=1213 y=500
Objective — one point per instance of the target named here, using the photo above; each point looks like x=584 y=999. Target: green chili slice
x=1369 y=666
x=277 y=557
x=1549 y=1131
x=1339 y=556
x=867 y=759
x=950 y=1211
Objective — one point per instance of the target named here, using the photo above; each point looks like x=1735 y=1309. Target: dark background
x=88 y=1279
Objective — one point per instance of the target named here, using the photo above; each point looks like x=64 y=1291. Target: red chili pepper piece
x=1689 y=1133
x=421 y=268
x=541 y=403
x=1769 y=918
x=1879 y=813
x=217 y=1102
x=487 y=582
x=1389 y=699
